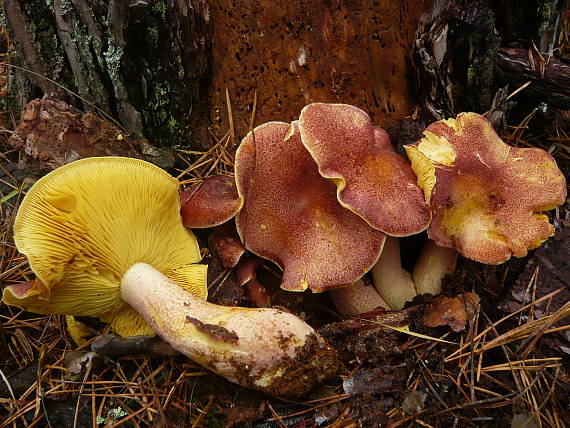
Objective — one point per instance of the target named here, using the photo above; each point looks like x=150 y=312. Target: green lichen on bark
x=23 y=82
x=113 y=56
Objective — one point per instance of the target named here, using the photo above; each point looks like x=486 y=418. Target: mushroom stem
x=393 y=283
x=431 y=267
x=356 y=298
x=265 y=349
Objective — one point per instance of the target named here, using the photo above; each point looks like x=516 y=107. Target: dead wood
x=549 y=77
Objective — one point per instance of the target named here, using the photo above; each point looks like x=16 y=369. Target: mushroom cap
x=85 y=224
x=372 y=180
x=486 y=197
x=224 y=241
x=210 y=203
x=291 y=215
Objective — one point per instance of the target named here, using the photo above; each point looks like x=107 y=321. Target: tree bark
x=140 y=61
x=297 y=52
x=162 y=66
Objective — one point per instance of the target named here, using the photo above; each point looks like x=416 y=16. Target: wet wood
x=454 y=57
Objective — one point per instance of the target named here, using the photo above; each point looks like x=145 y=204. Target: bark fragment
x=56 y=133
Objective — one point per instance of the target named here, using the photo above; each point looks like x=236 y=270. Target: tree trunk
x=139 y=61
x=296 y=52
x=161 y=67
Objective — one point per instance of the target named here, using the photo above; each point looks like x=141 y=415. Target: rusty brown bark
x=297 y=52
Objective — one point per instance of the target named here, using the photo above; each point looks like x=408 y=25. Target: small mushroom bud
x=357 y=298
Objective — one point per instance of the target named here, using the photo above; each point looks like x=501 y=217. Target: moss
x=163 y=128
x=8 y=102
x=172 y=124
x=41 y=26
x=544 y=15
x=160 y=7
x=66 y=7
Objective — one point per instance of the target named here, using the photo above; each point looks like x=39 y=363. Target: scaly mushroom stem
x=392 y=282
x=356 y=298
x=265 y=349
x=433 y=264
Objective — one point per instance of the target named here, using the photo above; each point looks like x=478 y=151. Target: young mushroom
x=210 y=203
x=105 y=238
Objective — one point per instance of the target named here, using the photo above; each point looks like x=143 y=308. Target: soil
x=385 y=372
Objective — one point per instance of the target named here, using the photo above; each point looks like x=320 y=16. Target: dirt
x=214 y=332
x=314 y=363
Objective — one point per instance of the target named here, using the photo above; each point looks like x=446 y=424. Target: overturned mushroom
x=90 y=230
x=292 y=217
x=84 y=224
x=265 y=349
x=487 y=198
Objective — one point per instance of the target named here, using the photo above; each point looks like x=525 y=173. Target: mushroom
x=225 y=242
x=486 y=197
x=433 y=264
x=246 y=274
x=372 y=181
x=265 y=349
x=392 y=282
x=210 y=203
x=84 y=224
x=79 y=331
x=291 y=215
x=105 y=238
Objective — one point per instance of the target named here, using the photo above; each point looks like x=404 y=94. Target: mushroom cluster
x=326 y=198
